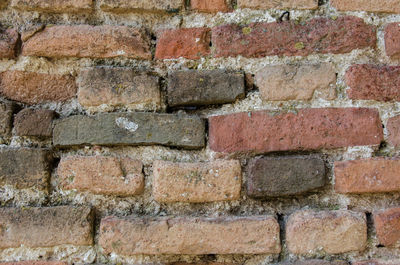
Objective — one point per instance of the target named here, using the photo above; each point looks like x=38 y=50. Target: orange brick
x=210 y=5
x=385 y=6
x=387 y=225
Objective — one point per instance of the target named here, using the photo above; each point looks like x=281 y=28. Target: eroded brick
x=58 y=6
x=8 y=43
x=392 y=40
x=393 y=127
x=141 y=5
x=387 y=225
x=34 y=122
x=211 y=6
x=6 y=113
x=279 y=4
x=385 y=6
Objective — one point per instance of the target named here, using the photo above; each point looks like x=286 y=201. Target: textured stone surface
x=192 y=87
x=282 y=176
x=367 y=175
x=88 y=41
x=186 y=235
x=387 y=226
x=141 y=5
x=118 y=87
x=45 y=227
x=197 y=182
x=393 y=127
x=34 y=122
x=318 y=35
x=101 y=175
x=25 y=168
x=307 y=129
x=8 y=43
x=316 y=262
x=34 y=263
x=33 y=88
x=392 y=40
x=331 y=232
x=6 y=113
x=279 y=4
x=386 y=6
x=130 y=129
x=59 y=6
x=210 y=5
x=296 y=82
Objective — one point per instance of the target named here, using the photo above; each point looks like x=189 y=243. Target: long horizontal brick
x=385 y=6
x=45 y=227
x=392 y=40
x=130 y=129
x=118 y=86
x=231 y=235
x=318 y=35
x=280 y=4
x=372 y=82
x=331 y=232
x=393 y=127
x=307 y=129
x=6 y=113
x=58 y=6
x=141 y=5
x=101 y=175
x=88 y=41
x=210 y=6
x=377 y=262
x=296 y=82
x=387 y=225
x=8 y=43
x=33 y=88
x=367 y=175
x=283 y=176
x=34 y=122
x=197 y=182
x=194 y=87
x=25 y=168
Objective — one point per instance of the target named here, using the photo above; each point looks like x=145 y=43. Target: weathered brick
x=385 y=6
x=102 y=175
x=34 y=122
x=318 y=35
x=6 y=113
x=141 y=5
x=367 y=175
x=25 y=168
x=211 y=6
x=34 y=263
x=280 y=4
x=197 y=182
x=393 y=127
x=331 y=232
x=392 y=40
x=316 y=262
x=387 y=225
x=191 y=43
x=372 y=82
x=118 y=86
x=194 y=87
x=45 y=227
x=88 y=41
x=185 y=235
x=296 y=82
x=282 y=176
x=33 y=88
x=58 y=6
x=8 y=43
x=307 y=129
x=377 y=262
x=130 y=129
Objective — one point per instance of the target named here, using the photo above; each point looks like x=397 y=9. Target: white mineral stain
x=126 y=124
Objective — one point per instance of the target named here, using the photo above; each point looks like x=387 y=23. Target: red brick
x=392 y=40
x=330 y=232
x=307 y=129
x=387 y=225
x=186 y=235
x=367 y=175
x=34 y=122
x=210 y=5
x=393 y=127
x=318 y=35
x=33 y=88
x=88 y=41
x=34 y=263
x=372 y=82
x=191 y=43
x=102 y=175
x=280 y=4
x=57 y=6
x=385 y=6
x=8 y=43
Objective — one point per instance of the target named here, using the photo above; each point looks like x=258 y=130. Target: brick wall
x=199 y=132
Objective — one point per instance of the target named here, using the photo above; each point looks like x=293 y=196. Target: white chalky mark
x=121 y=52
x=126 y=124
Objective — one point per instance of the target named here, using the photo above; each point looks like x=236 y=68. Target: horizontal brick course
x=281 y=4
x=387 y=225
x=59 y=6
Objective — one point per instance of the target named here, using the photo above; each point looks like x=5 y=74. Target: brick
x=385 y=6
x=296 y=82
x=376 y=262
x=34 y=122
x=101 y=175
x=392 y=40
x=393 y=127
x=6 y=113
x=45 y=227
x=317 y=262
x=315 y=36
x=33 y=88
x=331 y=232
x=57 y=6
x=197 y=182
x=307 y=129
x=25 y=168
x=279 y=4
x=34 y=263
x=372 y=82
x=141 y=5
x=192 y=87
x=191 y=43
x=283 y=176
x=130 y=129
x=210 y=6
x=118 y=86
x=8 y=43
x=185 y=235
x=367 y=175
x=387 y=225
x=200 y=263
x=85 y=41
